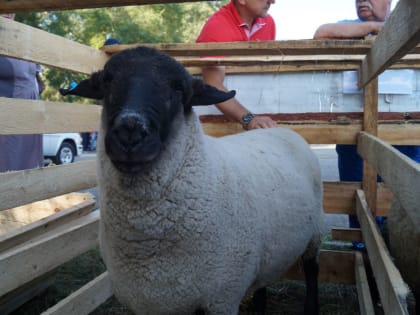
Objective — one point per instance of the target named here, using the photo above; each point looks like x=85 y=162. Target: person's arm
x=232 y=108
x=347 y=30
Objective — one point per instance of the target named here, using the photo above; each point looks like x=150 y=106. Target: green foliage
x=160 y=23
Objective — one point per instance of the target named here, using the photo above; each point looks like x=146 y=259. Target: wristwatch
x=246 y=119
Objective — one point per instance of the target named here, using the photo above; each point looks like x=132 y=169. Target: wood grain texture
x=30 y=260
x=400 y=173
x=400 y=34
x=370 y=125
x=20 y=116
x=363 y=290
x=57 y=5
x=84 y=300
x=28 y=43
x=392 y=289
x=23 y=187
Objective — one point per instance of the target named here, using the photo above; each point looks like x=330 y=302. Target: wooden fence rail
x=26 y=261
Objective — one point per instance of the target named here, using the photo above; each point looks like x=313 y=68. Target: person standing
x=372 y=15
x=237 y=21
x=18 y=80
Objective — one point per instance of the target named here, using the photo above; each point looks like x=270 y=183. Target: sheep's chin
x=130 y=168
x=134 y=161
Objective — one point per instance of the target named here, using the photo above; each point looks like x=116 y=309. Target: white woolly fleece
x=209 y=219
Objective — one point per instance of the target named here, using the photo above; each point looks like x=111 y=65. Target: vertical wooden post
x=370 y=125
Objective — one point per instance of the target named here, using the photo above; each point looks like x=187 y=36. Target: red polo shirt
x=227 y=26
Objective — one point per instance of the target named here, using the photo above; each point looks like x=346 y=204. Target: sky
x=298 y=19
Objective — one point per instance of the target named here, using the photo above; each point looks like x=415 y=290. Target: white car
x=62 y=148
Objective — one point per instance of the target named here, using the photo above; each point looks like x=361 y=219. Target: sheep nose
x=129 y=130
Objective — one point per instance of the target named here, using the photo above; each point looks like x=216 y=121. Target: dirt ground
x=285 y=297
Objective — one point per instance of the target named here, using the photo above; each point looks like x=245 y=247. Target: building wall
x=320 y=92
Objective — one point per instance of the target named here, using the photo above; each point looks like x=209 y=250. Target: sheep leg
x=200 y=311
x=311 y=270
x=259 y=301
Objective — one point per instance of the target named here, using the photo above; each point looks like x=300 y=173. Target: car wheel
x=65 y=154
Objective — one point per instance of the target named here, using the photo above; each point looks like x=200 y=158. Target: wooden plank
x=408 y=62
x=392 y=289
x=369 y=186
x=21 y=116
x=370 y=112
x=24 y=42
x=400 y=34
x=262 y=48
x=329 y=269
x=335 y=62
x=332 y=133
x=23 y=187
x=280 y=64
x=384 y=200
x=370 y=125
x=363 y=291
x=312 y=132
x=30 y=260
x=399 y=133
x=51 y=117
x=346 y=234
x=20 y=216
x=57 y=5
x=284 y=68
x=84 y=300
x=399 y=172
x=256 y=57
x=259 y=59
x=25 y=233
x=16 y=298
x=322 y=117
x=339 y=198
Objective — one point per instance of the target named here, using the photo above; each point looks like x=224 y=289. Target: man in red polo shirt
x=239 y=20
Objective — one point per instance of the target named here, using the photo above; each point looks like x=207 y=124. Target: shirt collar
x=255 y=27
x=258 y=24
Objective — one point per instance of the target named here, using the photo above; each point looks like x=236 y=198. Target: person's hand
x=376 y=27
x=261 y=122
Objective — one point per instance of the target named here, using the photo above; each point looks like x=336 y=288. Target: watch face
x=246 y=119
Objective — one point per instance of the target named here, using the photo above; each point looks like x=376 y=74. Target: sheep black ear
x=90 y=88
x=204 y=94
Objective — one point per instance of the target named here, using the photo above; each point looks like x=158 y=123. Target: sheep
x=403 y=239
x=190 y=223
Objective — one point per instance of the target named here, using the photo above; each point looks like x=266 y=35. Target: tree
x=160 y=23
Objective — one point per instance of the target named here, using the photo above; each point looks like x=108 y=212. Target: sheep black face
x=142 y=91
